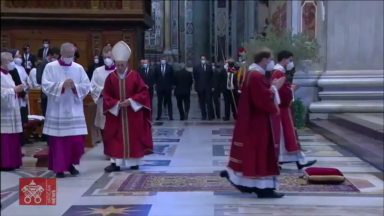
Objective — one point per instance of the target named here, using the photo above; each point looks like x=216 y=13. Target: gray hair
x=66 y=46
x=4 y=56
x=182 y=65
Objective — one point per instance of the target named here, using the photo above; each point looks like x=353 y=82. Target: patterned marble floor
x=196 y=147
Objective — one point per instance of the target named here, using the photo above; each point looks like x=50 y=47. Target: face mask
x=18 y=61
x=96 y=61
x=226 y=66
x=290 y=66
x=203 y=61
x=163 y=62
x=108 y=61
x=270 y=65
x=11 y=65
x=46 y=45
x=213 y=67
x=145 y=65
x=68 y=60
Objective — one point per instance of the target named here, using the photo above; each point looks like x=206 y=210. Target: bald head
x=67 y=50
x=6 y=57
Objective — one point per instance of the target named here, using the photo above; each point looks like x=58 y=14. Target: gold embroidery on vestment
x=238 y=144
x=235 y=160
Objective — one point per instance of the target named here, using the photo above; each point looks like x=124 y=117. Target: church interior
x=344 y=109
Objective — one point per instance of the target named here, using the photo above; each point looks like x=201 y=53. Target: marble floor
x=195 y=147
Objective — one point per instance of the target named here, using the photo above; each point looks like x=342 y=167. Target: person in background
x=101 y=58
x=183 y=83
x=29 y=60
x=97 y=86
x=127 y=133
x=77 y=54
x=218 y=76
x=11 y=126
x=203 y=76
x=52 y=56
x=33 y=78
x=147 y=73
x=91 y=68
x=20 y=77
x=66 y=84
x=141 y=64
x=164 y=78
x=253 y=166
x=290 y=151
x=43 y=52
x=230 y=90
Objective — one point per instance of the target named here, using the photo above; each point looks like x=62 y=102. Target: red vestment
x=285 y=116
x=253 y=152
x=129 y=134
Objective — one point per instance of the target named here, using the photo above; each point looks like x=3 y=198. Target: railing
x=67 y=4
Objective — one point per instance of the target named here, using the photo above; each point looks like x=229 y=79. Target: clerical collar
x=256 y=67
x=108 y=68
x=62 y=63
x=279 y=67
x=4 y=71
x=121 y=76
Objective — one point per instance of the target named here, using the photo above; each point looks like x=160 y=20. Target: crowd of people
x=260 y=97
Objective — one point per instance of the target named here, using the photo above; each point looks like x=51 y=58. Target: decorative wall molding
x=96 y=43
x=188 y=33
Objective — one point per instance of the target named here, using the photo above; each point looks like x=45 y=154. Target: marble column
x=201 y=29
x=353 y=77
x=167 y=30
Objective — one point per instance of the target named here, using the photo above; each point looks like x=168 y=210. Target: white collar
x=257 y=67
x=121 y=76
x=279 y=67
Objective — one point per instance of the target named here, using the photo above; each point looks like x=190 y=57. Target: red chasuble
x=285 y=116
x=128 y=135
x=253 y=152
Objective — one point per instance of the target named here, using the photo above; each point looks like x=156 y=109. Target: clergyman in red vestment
x=290 y=150
x=253 y=164
x=127 y=132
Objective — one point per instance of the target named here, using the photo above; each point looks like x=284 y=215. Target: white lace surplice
x=10 y=107
x=65 y=114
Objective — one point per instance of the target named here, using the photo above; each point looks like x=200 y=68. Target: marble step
x=361 y=146
x=368 y=124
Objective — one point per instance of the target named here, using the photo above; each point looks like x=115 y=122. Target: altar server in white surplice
x=97 y=85
x=66 y=84
x=11 y=128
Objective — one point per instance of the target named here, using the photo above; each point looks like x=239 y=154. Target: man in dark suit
x=42 y=52
x=218 y=77
x=29 y=60
x=203 y=75
x=95 y=64
x=183 y=83
x=230 y=91
x=164 y=77
x=147 y=73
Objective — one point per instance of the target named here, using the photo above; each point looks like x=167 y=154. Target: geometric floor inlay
x=108 y=210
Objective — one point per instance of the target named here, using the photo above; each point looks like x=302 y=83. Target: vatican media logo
x=37 y=191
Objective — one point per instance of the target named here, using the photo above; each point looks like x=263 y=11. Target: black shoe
x=158 y=119
x=242 y=189
x=171 y=119
x=225 y=119
x=7 y=169
x=60 y=175
x=182 y=118
x=112 y=168
x=210 y=119
x=134 y=167
x=218 y=117
x=268 y=193
x=73 y=171
x=280 y=168
x=308 y=164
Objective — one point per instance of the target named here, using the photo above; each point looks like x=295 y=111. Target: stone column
x=201 y=29
x=167 y=30
x=234 y=18
x=352 y=81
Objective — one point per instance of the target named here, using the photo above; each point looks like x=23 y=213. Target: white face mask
x=96 y=61
x=18 y=61
x=213 y=67
x=203 y=61
x=46 y=45
x=163 y=62
x=11 y=65
x=290 y=66
x=226 y=66
x=270 y=65
x=68 y=60
x=108 y=61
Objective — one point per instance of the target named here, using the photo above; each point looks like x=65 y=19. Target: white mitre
x=121 y=52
